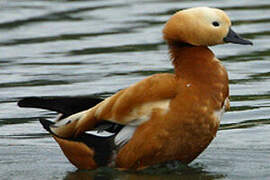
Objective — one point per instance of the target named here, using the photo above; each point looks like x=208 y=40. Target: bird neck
x=192 y=62
x=198 y=70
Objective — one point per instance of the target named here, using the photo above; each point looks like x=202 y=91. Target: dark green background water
x=65 y=47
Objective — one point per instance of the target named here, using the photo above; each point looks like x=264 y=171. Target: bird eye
x=215 y=23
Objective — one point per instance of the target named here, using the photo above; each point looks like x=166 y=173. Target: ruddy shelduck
x=162 y=118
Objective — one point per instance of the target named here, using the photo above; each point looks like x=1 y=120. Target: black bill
x=232 y=37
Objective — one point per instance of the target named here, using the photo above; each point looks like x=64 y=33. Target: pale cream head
x=201 y=26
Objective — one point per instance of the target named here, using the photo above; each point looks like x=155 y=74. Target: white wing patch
x=139 y=114
x=100 y=134
x=124 y=135
x=143 y=112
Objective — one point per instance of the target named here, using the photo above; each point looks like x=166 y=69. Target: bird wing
x=131 y=106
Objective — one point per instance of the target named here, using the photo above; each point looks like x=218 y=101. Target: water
x=58 y=48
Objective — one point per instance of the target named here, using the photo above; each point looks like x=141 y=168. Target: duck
x=164 y=117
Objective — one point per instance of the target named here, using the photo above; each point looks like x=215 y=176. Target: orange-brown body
x=198 y=88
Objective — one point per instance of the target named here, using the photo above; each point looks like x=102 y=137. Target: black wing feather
x=64 y=105
x=68 y=106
